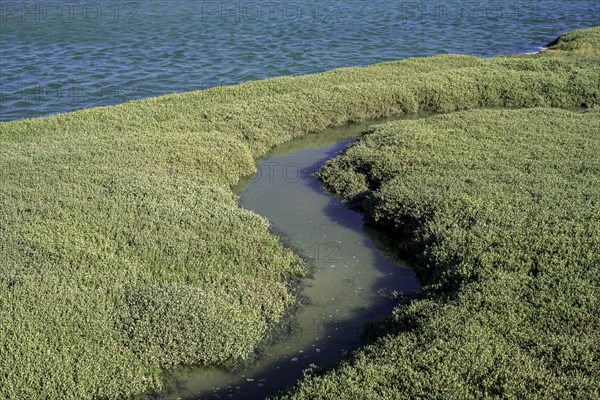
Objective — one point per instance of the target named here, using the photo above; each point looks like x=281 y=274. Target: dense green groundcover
x=123 y=251
x=503 y=207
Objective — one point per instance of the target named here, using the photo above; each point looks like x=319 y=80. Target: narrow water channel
x=349 y=287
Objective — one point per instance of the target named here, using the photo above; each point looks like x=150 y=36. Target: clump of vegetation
x=123 y=250
x=583 y=40
x=502 y=208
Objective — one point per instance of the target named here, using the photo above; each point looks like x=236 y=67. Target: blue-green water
x=57 y=56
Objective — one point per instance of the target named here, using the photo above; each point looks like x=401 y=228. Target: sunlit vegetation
x=502 y=208
x=123 y=251
x=582 y=41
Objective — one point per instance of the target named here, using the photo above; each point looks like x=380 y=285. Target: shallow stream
x=351 y=283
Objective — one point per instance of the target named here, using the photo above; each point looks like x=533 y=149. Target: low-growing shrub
x=502 y=206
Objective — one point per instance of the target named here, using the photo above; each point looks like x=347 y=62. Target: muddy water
x=350 y=285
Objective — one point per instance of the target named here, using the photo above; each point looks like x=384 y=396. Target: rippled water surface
x=57 y=56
